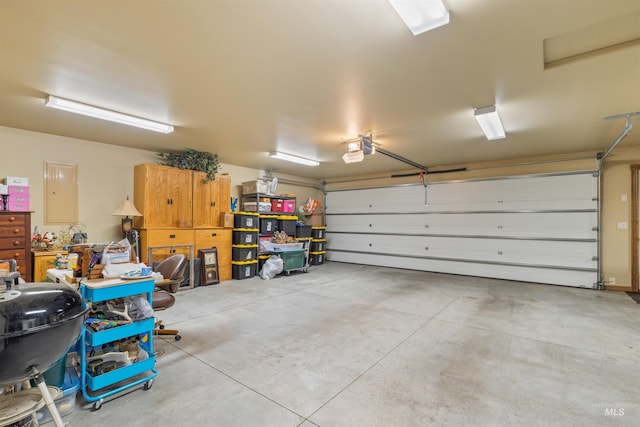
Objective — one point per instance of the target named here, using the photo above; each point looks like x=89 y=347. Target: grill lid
x=32 y=307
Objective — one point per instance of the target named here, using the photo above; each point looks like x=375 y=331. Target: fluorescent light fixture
x=294 y=159
x=489 y=121
x=101 y=113
x=421 y=15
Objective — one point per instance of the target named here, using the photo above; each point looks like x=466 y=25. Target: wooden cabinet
x=180 y=208
x=43 y=261
x=164 y=237
x=15 y=240
x=210 y=199
x=163 y=195
x=221 y=238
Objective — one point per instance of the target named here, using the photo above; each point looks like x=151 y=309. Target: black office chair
x=172 y=269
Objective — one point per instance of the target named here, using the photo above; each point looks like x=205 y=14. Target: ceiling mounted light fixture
x=358 y=148
x=294 y=159
x=104 y=114
x=421 y=15
x=489 y=121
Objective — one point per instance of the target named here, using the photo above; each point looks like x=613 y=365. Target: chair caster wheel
x=161 y=326
x=177 y=338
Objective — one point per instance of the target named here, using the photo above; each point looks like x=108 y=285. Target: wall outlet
x=622 y=226
x=623 y=197
x=612 y=281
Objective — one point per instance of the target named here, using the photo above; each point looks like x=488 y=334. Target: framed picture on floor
x=209 y=266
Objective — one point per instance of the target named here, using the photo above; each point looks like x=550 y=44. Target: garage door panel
x=568 y=225
x=584 y=279
x=562 y=192
x=559 y=254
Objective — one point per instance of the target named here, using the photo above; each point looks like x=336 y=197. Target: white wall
x=105 y=176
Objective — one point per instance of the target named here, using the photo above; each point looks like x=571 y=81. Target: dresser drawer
x=12 y=219
x=10 y=230
x=18 y=242
x=17 y=254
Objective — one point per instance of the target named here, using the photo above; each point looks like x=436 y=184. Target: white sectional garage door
x=534 y=228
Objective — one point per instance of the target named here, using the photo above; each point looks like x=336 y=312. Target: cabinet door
x=210 y=199
x=220 y=238
x=163 y=196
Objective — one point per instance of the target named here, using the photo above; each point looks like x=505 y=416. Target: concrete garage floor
x=349 y=345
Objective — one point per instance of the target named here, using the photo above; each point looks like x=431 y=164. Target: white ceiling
x=240 y=78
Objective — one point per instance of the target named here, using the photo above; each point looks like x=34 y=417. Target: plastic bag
x=138 y=308
x=272 y=267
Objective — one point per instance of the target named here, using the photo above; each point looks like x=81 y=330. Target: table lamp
x=127 y=211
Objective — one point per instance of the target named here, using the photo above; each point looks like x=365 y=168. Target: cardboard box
x=257 y=186
x=16 y=180
x=18 y=198
x=226 y=219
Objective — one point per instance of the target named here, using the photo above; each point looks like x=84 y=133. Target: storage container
x=18 y=198
x=316 y=258
x=317 y=245
x=66 y=403
x=303 y=231
x=268 y=224
x=277 y=205
x=20 y=207
x=245 y=236
x=288 y=206
x=256 y=186
x=292 y=260
x=269 y=246
x=244 y=252
x=18 y=190
x=318 y=232
x=261 y=260
x=263 y=241
x=287 y=223
x=256 y=206
x=245 y=220
x=16 y=180
x=243 y=269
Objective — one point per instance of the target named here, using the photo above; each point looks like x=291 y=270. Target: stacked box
x=287 y=223
x=317 y=245
x=245 y=220
x=268 y=224
x=244 y=252
x=303 y=231
x=288 y=206
x=277 y=205
x=243 y=269
x=256 y=206
x=245 y=236
x=17 y=190
x=256 y=186
x=318 y=232
x=316 y=258
x=261 y=260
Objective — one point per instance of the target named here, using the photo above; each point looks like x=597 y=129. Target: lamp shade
x=127 y=208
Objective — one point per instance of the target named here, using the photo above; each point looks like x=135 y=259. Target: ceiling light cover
x=421 y=15
x=294 y=159
x=353 y=157
x=489 y=121
x=104 y=114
